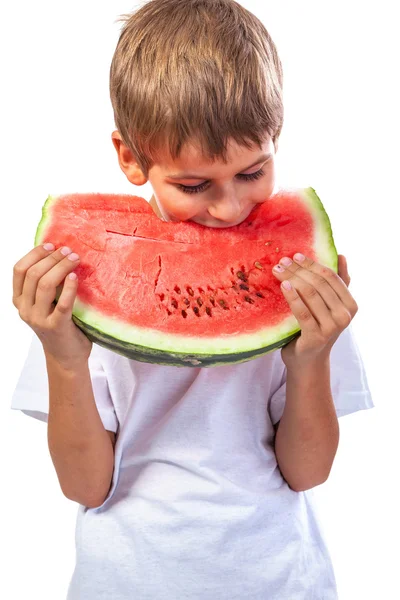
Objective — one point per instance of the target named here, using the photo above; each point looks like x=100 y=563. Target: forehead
x=191 y=158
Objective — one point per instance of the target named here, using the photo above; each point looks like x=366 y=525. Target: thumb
x=342 y=269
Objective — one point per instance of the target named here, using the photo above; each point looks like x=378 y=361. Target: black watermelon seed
x=259 y=294
x=249 y=300
x=241 y=275
x=196 y=311
x=174 y=303
x=186 y=301
x=199 y=301
x=208 y=311
x=244 y=287
x=177 y=289
x=223 y=304
x=212 y=301
x=190 y=291
x=184 y=314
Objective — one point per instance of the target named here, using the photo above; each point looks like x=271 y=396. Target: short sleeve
x=349 y=385
x=31 y=394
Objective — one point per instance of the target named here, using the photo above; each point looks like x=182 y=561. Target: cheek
x=177 y=206
x=264 y=188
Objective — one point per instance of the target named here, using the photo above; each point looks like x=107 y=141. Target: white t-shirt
x=198 y=508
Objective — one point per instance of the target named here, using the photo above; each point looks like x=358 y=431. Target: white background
x=341 y=136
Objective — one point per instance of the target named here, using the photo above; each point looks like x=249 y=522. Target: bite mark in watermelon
x=180 y=293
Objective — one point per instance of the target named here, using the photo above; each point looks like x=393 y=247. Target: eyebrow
x=192 y=176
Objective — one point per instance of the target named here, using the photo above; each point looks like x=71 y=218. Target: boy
x=194 y=483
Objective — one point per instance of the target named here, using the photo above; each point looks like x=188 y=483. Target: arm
x=80 y=447
x=308 y=434
x=307 y=438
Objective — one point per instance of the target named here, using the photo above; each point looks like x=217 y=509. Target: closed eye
x=195 y=189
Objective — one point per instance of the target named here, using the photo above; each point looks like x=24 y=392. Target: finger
x=343 y=269
x=22 y=266
x=65 y=304
x=37 y=271
x=305 y=281
x=335 y=314
x=47 y=286
x=308 y=294
x=329 y=284
x=300 y=310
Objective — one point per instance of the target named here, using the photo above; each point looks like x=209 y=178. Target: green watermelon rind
x=177 y=359
x=118 y=333
x=324 y=242
x=44 y=220
x=150 y=345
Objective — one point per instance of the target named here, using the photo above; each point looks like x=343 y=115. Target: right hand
x=36 y=278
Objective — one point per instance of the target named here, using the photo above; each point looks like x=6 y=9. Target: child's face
x=212 y=194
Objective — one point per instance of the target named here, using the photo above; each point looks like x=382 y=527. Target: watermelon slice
x=180 y=293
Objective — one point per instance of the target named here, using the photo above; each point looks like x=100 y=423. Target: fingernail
x=299 y=257
x=73 y=256
x=65 y=251
x=48 y=246
x=278 y=268
x=285 y=261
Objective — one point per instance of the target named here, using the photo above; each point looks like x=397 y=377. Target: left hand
x=322 y=304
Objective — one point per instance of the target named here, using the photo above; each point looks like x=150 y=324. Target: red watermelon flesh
x=183 y=288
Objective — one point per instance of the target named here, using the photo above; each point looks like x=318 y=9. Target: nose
x=227 y=208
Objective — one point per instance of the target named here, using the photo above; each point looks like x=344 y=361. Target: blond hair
x=200 y=71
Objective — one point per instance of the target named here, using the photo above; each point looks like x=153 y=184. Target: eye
x=195 y=189
x=192 y=189
x=252 y=176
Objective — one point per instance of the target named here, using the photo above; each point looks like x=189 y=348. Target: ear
x=127 y=161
